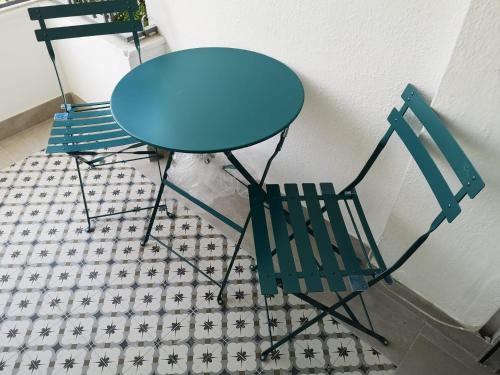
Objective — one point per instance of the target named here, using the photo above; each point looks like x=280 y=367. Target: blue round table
x=206 y=100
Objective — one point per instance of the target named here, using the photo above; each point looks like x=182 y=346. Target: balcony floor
x=418 y=345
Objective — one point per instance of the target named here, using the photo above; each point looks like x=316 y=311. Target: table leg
x=235 y=162
x=158 y=199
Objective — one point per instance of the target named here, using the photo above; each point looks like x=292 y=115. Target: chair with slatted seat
x=88 y=131
x=330 y=263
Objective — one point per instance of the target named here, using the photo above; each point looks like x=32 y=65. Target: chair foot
x=263 y=356
x=144 y=242
x=220 y=300
x=170 y=215
x=253 y=267
x=90 y=229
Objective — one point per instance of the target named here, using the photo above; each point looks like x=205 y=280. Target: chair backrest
x=47 y=35
x=460 y=164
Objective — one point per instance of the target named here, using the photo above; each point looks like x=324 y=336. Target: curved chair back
x=460 y=164
x=47 y=35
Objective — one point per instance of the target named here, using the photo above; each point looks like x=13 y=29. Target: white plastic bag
x=203 y=176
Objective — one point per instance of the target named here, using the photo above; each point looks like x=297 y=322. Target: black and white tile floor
x=73 y=302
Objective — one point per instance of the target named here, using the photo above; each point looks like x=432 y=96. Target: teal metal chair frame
x=339 y=261
x=240 y=229
x=86 y=131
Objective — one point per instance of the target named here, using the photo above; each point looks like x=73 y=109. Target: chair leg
x=158 y=200
x=220 y=300
x=325 y=311
x=89 y=227
x=169 y=214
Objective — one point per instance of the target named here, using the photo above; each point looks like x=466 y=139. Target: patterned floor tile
x=74 y=302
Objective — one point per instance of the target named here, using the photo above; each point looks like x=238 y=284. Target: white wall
x=93 y=66
x=354 y=58
x=458 y=269
x=27 y=78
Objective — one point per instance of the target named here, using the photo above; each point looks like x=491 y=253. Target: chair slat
x=91 y=146
x=329 y=261
x=283 y=248
x=89 y=114
x=79 y=105
x=83 y=122
x=84 y=129
x=88 y=137
x=344 y=243
x=310 y=271
x=79 y=31
x=82 y=9
x=429 y=169
x=452 y=151
x=267 y=276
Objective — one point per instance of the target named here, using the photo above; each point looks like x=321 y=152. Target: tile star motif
x=23 y=304
x=208 y=326
x=35 y=362
x=77 y=331
x=126 y=250
x=178 y=298
x=8 y=361
x=99 y=252
x=207 y=296
x=143 y=328
x=179 y=272
x=34 y=277
x=8 y=278
x=138 y=360
x=13 y=332
x=373 y=356
x=104 y=361
x=185 y=247
x=147 y=299
x=151 y=273
x=176 y=327
x=122 y=274
x=300 y=317
x=207 y=358
x=278 y=359
x=70 y=362
x=71 y=252
x=309 y=353
x=86 y=301
x=54 y=303
x=172 y=359
x=63 y=276
x=93 y=275
x=110 y=329
x=241 y=357
x=240 y=324
x=241 y=270
x=116 y=300
x=43 y=254
x=343 y=351
x=277 y=323
x=211 y=247
x=44 y=332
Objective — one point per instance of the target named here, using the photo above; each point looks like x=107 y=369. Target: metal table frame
x=241 y=229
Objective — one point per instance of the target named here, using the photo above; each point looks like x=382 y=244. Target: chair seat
x=86 y=127
x=314 y=261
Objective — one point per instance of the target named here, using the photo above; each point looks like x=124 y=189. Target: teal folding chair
x=335 y=266
x=87 y=131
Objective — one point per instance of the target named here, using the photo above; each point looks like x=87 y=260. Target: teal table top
x=207 y=100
